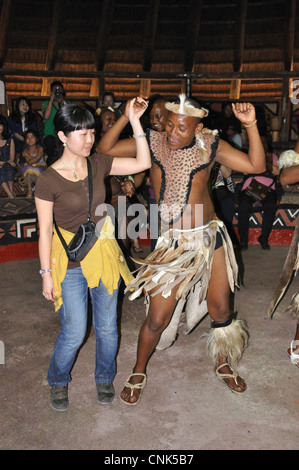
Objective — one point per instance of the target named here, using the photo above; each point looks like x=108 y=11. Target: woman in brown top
x=63 y=189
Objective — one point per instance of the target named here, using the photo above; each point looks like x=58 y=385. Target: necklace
x=74 y=171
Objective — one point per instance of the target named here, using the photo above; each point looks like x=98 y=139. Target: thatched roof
x=94 y=45
x=214 y=50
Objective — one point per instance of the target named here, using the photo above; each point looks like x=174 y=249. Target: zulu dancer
x=192 y=265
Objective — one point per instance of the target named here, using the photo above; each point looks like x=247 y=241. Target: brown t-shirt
x=71 y=197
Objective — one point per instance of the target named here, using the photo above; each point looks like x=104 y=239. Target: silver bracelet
x=139 y=136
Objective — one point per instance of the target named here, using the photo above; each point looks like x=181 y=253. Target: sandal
x=234 y=376
x=294 y=356
x=140 y=386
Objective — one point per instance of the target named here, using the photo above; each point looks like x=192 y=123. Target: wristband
x=139 y=136
x=131 y=179
x=252 y=124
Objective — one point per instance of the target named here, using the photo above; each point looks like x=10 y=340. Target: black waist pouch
x=82 y=242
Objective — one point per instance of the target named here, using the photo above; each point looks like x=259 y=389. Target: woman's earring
x=64 y=144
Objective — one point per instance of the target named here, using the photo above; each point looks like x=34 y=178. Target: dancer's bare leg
x=218 y=306
x=159 y=316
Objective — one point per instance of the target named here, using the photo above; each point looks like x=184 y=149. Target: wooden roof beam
x=150 y=34
x=290 y=19
x=4 y=28
x=52 y=45
x=192 y=33
x=241 y=9
x=103 y=34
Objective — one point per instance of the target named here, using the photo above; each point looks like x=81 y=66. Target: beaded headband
x=186 y=107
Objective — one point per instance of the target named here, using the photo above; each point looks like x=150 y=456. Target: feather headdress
x=186 y=107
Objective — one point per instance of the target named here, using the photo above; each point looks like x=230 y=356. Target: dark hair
x=55 y=84
x=73 y=117
x=34 y=132
x=226 y=103
x=105 y=110
x=109 y=93
x=29 y=116
x=156 y=99
x=4 y=122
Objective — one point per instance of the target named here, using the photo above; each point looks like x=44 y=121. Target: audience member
x=233 y=136
x=268 y=205
x=104 y=119
x=109 y=99
x=21 y=119
x=227 y=121
x=223 y=192
x=34 y=159
x=49 y=109
x=7 y=158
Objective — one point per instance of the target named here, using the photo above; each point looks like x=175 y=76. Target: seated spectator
x=226 y=121
x=7 y=158
x=233 y=136
x=21 y=119
x=223 y=192
x=34 y=158
x=268 y=205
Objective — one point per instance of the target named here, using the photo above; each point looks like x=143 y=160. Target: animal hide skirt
x=183 y=258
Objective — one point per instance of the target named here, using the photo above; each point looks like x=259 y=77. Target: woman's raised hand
x=137 y=106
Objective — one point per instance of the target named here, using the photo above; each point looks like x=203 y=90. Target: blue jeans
x=73 y=317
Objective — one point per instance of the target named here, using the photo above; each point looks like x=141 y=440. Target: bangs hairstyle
x=72 y=117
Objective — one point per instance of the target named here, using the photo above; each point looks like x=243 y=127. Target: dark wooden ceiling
x=214 y=50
